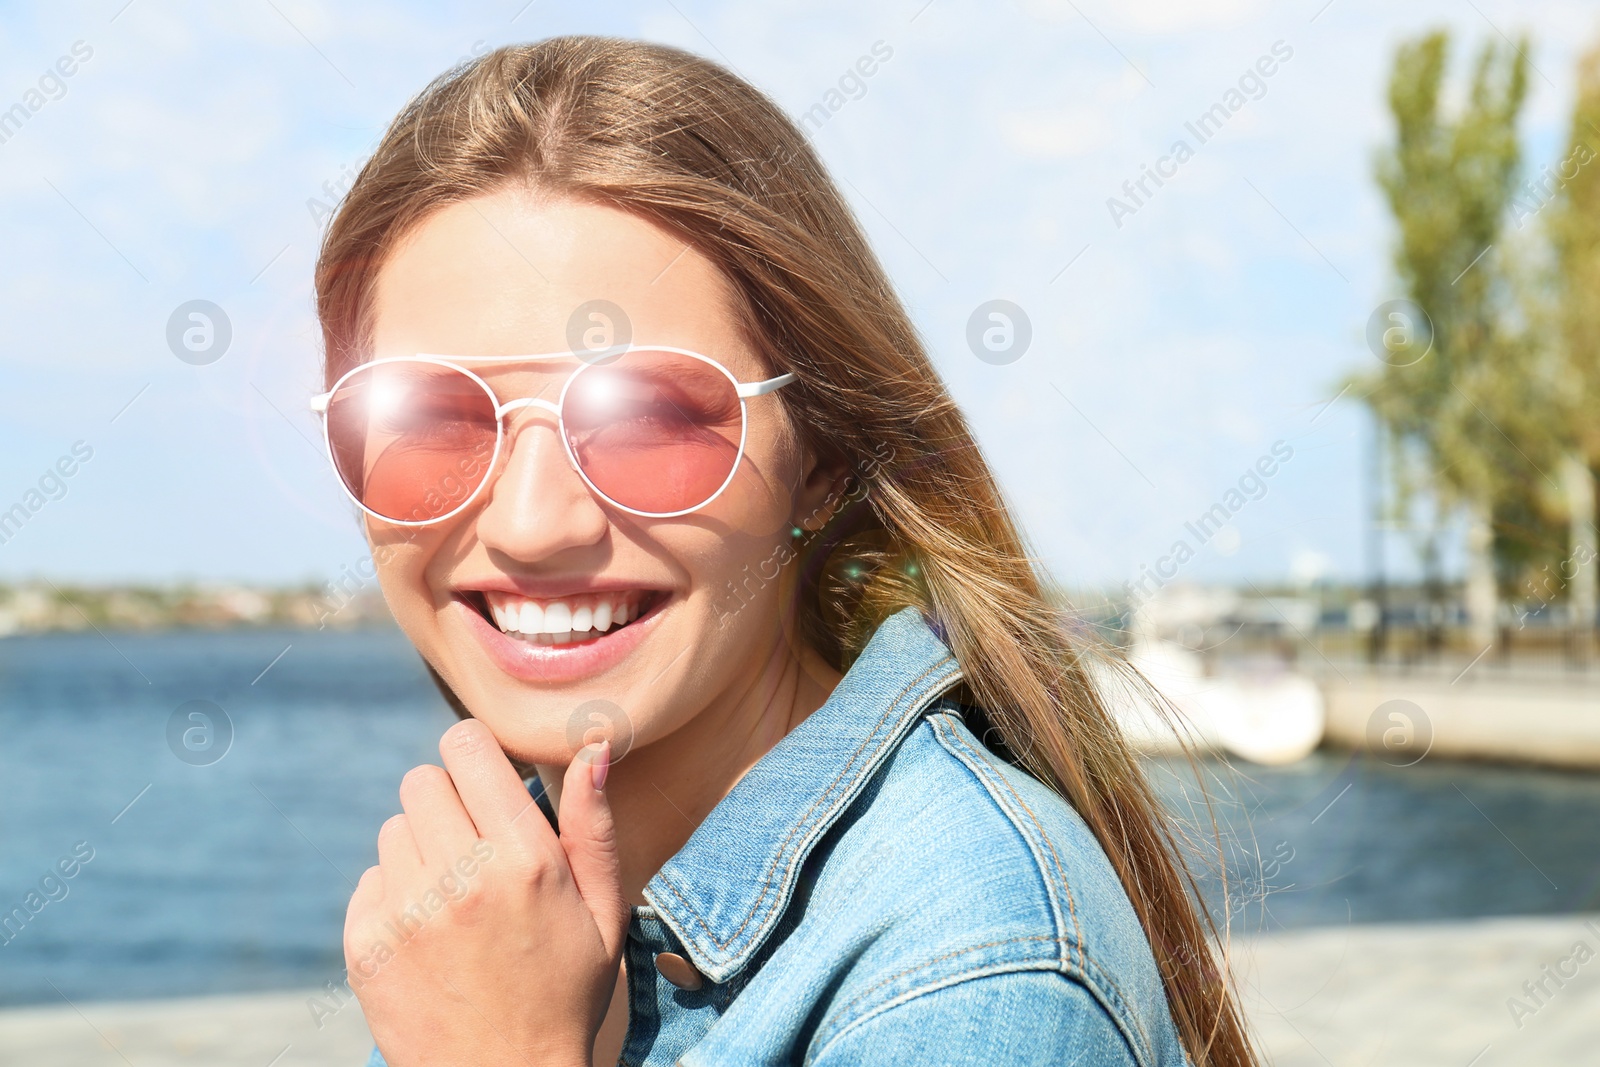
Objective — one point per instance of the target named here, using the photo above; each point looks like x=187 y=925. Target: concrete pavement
x=1483 y=993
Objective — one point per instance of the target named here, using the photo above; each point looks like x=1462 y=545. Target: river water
x=217 y=875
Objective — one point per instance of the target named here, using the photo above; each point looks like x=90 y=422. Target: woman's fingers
x=363 y=903
x=369 y=890
x=588 y=836
x=443 y=830
x=398 y=854
x=490 y=789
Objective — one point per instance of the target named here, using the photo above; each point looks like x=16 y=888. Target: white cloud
x=1055 y=135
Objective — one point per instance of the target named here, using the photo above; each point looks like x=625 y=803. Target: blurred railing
x=1556 y=652
x=1414 y=641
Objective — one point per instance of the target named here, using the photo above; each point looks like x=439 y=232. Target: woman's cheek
x=753 y=505
x=402 y=565
x=758 y=501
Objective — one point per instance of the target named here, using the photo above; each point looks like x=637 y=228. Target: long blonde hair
x=683 y=143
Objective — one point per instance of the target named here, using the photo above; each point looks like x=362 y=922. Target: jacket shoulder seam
x=1059 y=965
x=988 y=775
x=924 y=964
x=983 y=768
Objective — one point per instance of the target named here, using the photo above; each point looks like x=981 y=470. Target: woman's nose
x=538 y=505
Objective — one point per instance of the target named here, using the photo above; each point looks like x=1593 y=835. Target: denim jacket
x=882 y=889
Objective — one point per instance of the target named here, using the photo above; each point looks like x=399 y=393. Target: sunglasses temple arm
x=771 y=385
x=319 y=403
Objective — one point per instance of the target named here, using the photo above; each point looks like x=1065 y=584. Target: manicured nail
x=601 y=765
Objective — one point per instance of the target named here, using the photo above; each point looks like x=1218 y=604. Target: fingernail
x=601 y=765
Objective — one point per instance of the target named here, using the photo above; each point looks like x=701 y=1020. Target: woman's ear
x=821 y=492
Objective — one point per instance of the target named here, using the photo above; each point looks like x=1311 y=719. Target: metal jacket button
x=679 y=971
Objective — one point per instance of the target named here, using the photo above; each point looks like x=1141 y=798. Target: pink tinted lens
x=412 y=441
x=654 y=431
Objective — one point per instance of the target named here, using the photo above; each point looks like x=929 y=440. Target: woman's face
x=506 y=274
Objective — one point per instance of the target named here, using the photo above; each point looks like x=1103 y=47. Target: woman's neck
x=661 y=792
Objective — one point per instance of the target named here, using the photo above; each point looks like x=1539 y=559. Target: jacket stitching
x=1058 y=966
x=804 y=821
x=942 y=729
x=945 y=731
x=1055 y=858
x=865 y=993
x=1061 y=965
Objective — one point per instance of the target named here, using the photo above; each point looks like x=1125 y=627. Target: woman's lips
x=558 y=664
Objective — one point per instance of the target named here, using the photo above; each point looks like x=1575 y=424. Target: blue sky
x=1166 y=359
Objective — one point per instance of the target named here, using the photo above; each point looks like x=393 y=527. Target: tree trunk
x=1580 y=568
x=1482 y=597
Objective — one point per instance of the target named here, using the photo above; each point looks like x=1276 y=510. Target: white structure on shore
x=1263 y=713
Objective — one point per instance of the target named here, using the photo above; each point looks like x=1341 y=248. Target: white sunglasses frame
x=743 y=390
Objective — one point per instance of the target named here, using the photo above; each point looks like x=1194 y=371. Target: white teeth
x=559 y=622
x=557 y=618
x=505 y=615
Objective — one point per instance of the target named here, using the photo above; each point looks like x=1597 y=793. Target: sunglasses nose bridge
x=511 y=406
x=511 y=430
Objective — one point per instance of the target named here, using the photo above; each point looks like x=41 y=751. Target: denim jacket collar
x=726 y=889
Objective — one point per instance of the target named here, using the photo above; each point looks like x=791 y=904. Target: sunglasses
x=653 y=431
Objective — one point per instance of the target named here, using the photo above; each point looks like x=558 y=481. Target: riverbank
x=1384 y=995
x=1552 y=722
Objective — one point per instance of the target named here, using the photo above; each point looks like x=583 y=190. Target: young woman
x=666 y=492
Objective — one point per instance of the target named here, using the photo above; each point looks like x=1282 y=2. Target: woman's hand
x=481 y=937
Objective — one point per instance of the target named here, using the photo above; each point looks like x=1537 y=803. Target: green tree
x=1467 y=412
x=1574 y=223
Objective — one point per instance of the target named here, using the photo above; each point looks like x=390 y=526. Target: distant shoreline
x=37 y=607
x=351 y=626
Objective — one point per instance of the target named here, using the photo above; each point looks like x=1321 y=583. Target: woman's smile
x=553 y=638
